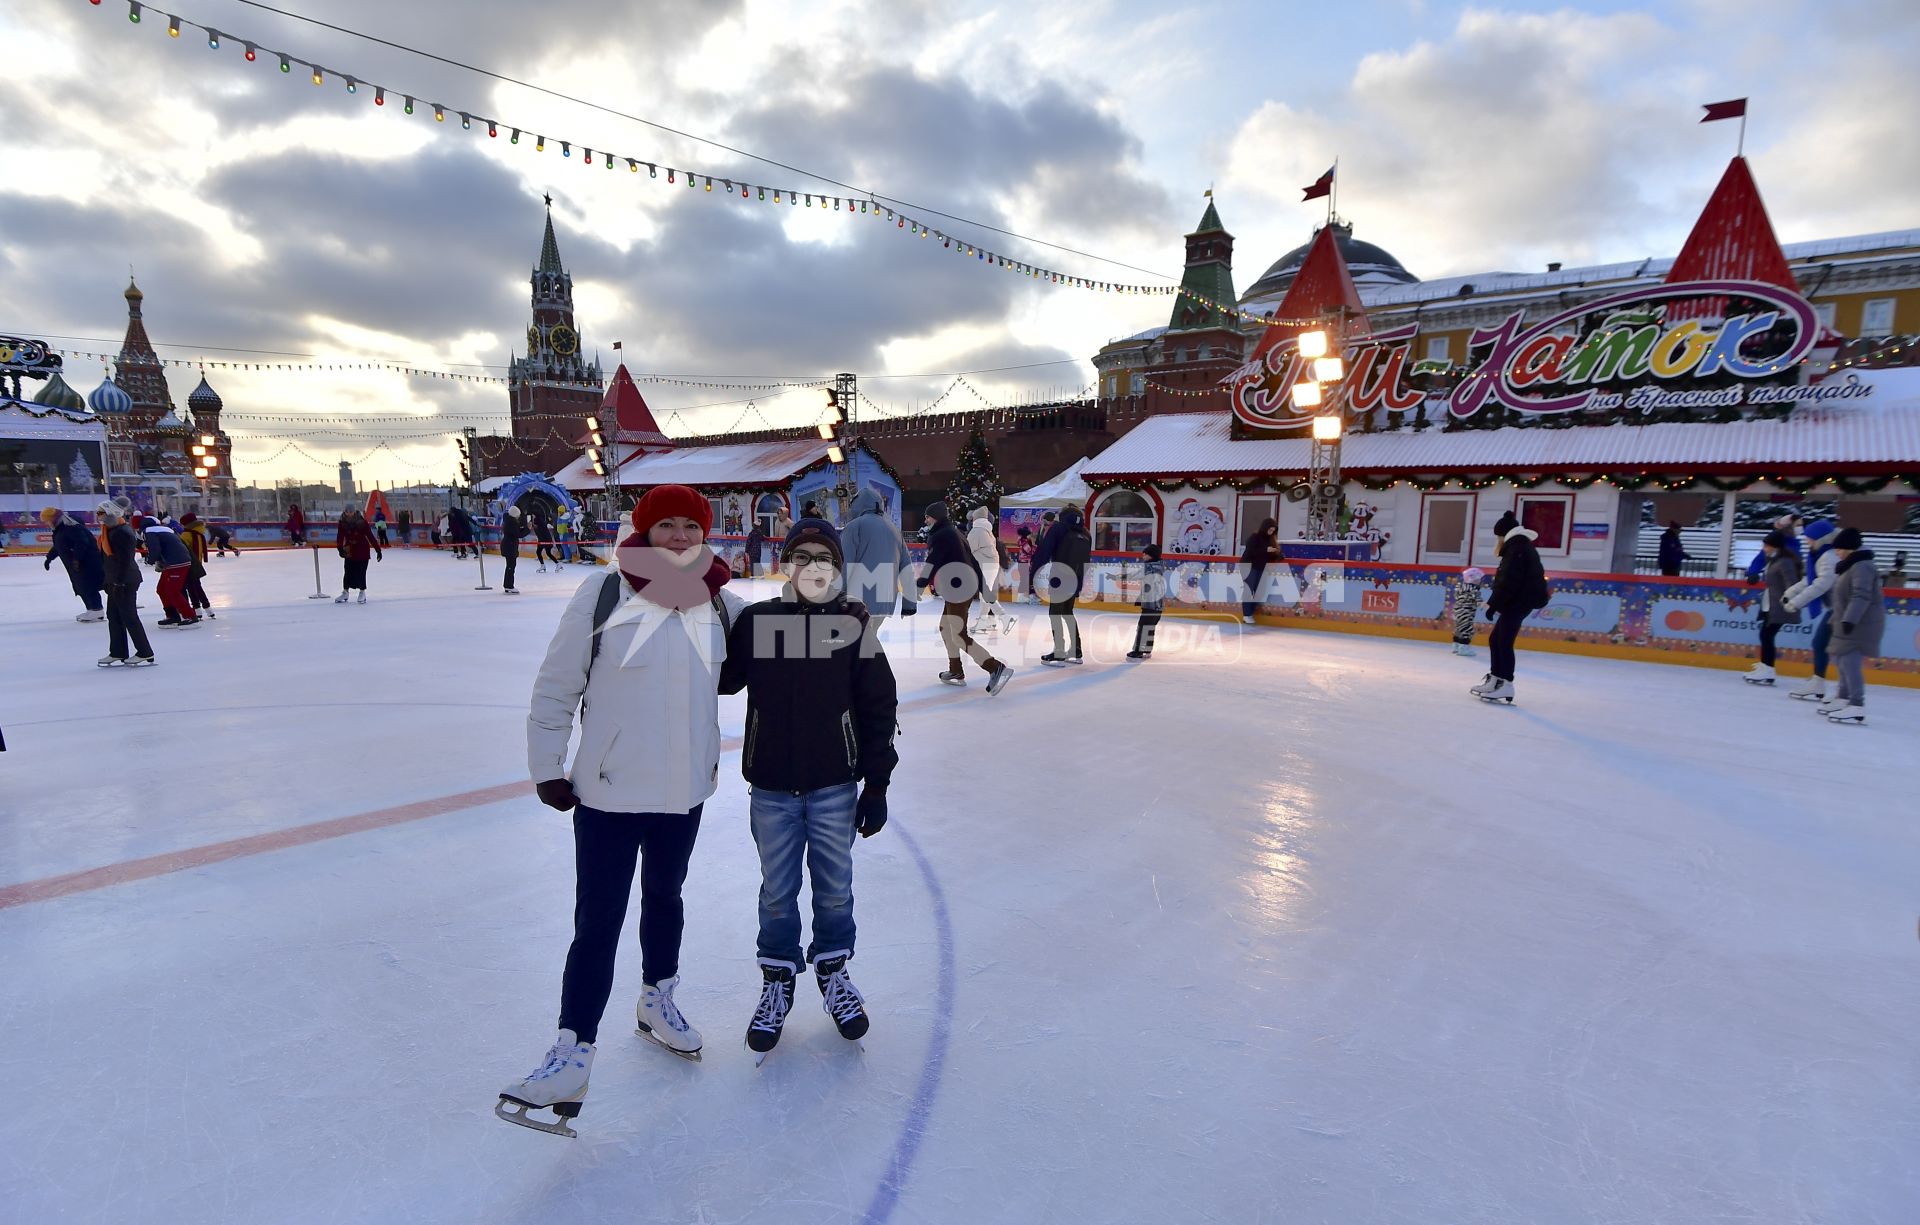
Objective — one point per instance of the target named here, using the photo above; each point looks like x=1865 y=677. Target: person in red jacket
x=296 y=525
x=355 y=542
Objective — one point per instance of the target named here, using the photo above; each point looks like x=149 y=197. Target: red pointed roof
x=1732 y=241
x=1322 y=285
x=631 y=414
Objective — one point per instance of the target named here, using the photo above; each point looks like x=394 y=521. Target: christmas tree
x=976 y=482
x=80 y=476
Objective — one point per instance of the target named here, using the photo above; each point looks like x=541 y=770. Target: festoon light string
x=703 y=182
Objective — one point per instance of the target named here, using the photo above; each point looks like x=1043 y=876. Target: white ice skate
x=1813 y=689
x=558 y=1084
x=1852 y=713
x=363 y=597
x=1494 y=689
x=1759 y=674
x=92 y=614
x=658 y=1020
x=110 y=661
x=341 y=598
x=1830 y=706
x=1463 y=648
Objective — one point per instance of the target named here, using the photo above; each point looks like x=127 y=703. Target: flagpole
x=1740 y=149
x=1333 y=189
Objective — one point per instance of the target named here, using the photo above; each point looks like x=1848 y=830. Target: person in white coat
x=986 y=551
x=638 y=654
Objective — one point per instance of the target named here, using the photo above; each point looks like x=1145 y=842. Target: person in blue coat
x=77 y=550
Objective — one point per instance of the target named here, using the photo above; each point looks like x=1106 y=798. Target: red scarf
x=661 y=564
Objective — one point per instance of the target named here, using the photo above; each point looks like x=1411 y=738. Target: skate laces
x=842 y=998
x=774 y=1002
x=557 y=1060
x=669 y=1011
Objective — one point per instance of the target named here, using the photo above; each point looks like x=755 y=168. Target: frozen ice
x=1275 y=927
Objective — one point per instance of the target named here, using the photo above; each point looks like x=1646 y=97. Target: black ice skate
x=776 y=1000
x=839 y=997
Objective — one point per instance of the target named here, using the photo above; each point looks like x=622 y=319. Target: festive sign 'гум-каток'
x=1633 y=357
x=18 y=355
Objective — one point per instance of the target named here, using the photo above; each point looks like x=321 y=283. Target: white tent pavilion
x=1066 y=489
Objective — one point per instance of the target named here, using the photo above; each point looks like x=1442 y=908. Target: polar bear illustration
x=1198 y=528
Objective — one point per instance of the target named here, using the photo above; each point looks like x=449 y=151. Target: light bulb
x=515 y=138
x=250 y=51
x=173 y=27
x=286 y=65
x=213 y=40
x=439 y=113
x=133 y=12
x=409 y=98
x=379 y=96
x=466 y=121
x=318 y=75
x=353 y=86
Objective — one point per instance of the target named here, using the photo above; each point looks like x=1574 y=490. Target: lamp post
x=1326 y=370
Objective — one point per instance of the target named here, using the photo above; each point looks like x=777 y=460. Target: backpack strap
x=603 y=606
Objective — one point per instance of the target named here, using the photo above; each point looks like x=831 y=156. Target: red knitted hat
x=672 y=501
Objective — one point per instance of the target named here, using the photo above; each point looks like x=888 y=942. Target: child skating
x=818 y=754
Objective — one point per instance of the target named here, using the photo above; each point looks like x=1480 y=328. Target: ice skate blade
x=692 y=1056
x=1808 y=697
x=1758 y=680
x=562 y=1112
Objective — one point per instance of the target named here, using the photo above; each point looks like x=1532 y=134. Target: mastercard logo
x=1683 y=621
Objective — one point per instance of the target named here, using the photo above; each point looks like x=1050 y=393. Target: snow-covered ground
x=1274 y=928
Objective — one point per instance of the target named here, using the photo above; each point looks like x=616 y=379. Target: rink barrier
x=1699 y=622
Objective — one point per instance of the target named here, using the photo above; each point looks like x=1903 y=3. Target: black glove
x=557 y=793
x=909 y=605
x=379 y=556
x=1846 y=627
x=870 y=811
x=47 y=564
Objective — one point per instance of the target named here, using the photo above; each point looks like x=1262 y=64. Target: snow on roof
x=1856 y=436
x=747 y=463
x=1065 y=489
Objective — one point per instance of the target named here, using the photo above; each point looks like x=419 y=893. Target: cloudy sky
x=262 y=213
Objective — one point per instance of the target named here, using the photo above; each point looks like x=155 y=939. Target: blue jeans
x=820 y=824
x=1822 y=635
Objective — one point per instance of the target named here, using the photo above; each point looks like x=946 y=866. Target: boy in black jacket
x=818 y=756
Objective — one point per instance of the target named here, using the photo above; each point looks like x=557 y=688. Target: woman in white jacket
x=649 y=757
x=986 y=552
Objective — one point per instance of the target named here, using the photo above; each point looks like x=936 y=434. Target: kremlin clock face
x=533 y=339
x=564 y=340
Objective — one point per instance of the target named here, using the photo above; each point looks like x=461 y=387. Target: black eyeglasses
x=802 y=559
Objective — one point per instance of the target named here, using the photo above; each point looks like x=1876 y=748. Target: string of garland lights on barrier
x=694 y=180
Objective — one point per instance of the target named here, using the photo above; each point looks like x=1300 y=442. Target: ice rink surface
x=1282 y=927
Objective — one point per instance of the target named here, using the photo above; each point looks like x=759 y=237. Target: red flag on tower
x=1322 y=186
x=1733 y=109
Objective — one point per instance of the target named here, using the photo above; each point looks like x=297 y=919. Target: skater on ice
x=355 y=544
x=955 y=579
x=193 y=534
x=513 y=530
x=1809 y=596
x=1059 y=573
x=1519 y=590
x=120 y=557
x=1262 y=550
x=74 y=547
x=296 y=526
x=1861 y=608
x=986 y=550
x=168 y=555
x=878 y=563
x=1153 y=601
x=1781 y=572
x=637 y=654
x=817 y=757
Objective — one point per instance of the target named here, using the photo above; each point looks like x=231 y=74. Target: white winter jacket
x=981 y=544
x=1807 y=590
x=649 y=711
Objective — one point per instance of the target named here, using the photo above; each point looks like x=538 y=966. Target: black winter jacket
x=513 y=530
x=946 y=547
x=821 y=700
x=1520 y=585
x=123 y=558
x=1067 y=548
